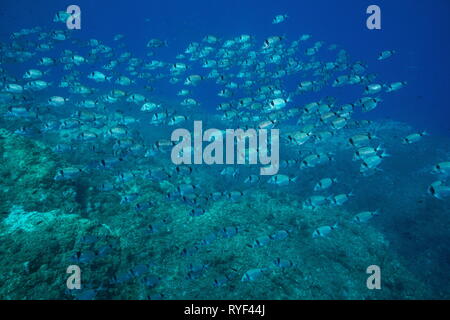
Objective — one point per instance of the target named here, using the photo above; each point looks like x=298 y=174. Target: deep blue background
x=418 y=30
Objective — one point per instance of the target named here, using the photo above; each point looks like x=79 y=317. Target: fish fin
x=438 y=197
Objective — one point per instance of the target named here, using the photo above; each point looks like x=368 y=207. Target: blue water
x=136 y=236
x=418 y=30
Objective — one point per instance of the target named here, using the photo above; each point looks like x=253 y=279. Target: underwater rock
x=27 y=172
x=28 y=271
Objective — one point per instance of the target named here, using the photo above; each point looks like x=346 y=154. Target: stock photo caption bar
x=225 y=150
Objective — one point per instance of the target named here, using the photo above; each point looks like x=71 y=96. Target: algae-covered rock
x=220 y=244
x=259 y=246
x=27 y=173
x=37 y=248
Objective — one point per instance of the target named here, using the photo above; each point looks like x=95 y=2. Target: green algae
x=27 y=172
x=41 y=230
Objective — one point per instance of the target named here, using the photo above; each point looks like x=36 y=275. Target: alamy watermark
x=374 y=20
x=374 y=280
x=235 y=144
x=74 y=19
x=74 y=280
